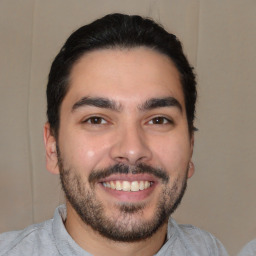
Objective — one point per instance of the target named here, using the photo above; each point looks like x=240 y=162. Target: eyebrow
x=150 y=104
x=160 y=103
x=96 y=102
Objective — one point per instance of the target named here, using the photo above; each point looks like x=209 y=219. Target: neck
x=94 y=243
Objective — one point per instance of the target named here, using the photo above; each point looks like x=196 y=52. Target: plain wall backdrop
x=219 y=38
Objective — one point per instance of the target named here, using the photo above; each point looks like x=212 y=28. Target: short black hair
x=110 y=32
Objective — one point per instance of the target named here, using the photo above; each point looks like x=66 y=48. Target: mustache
x=97 y=175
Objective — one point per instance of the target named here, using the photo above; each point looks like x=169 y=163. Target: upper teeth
x=127 y=185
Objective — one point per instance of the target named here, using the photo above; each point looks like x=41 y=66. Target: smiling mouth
x=128 y=186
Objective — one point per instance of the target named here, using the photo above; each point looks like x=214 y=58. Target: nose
x=131 y=146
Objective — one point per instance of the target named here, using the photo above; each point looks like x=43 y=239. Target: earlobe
x=191 y=169
x=50 y=150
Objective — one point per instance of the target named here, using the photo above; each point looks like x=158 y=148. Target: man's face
x=124 y=147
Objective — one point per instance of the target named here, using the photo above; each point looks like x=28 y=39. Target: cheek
x=173 y=153
x=79 y=150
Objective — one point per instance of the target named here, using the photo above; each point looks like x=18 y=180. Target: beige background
x=220 y=40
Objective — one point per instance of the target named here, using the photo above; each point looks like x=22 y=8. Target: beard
x=128 y=225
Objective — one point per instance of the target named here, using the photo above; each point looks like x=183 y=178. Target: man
x=121 y=104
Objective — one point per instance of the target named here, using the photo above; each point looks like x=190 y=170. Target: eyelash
x=163 y=120
x=98 y=119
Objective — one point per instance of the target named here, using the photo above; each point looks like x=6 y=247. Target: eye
x=160 y=120
x=95 y=120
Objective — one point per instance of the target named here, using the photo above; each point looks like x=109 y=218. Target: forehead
x=125 y=75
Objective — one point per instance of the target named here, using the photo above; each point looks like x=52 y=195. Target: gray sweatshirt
x=249 y=249
x=50 y=238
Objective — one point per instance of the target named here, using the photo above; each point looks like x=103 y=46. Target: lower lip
x=129 y=196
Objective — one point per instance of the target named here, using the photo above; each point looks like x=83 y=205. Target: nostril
x=122 y=159
x=130 y=160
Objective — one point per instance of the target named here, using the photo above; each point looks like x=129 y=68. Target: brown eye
x=159 y=120
x=95 y=120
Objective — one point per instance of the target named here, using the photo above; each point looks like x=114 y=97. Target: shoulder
x=27 y=241
x=249 y=249
x=195 y=235
x=197 y=241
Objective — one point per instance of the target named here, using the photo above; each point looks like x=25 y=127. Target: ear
x=50 y=149
x=191 y=167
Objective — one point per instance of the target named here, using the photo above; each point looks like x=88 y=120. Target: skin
x=129 y=134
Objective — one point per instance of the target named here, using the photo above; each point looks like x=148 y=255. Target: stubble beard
x=127 y=225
